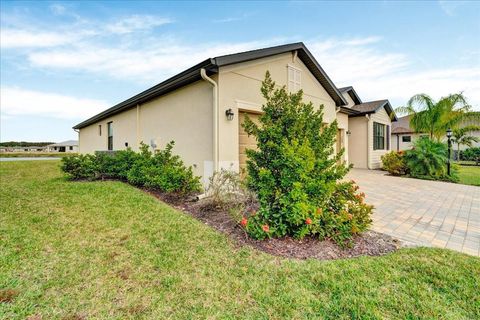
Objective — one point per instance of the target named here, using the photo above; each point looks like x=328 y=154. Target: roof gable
x=211 y=66
x=352 y=93
x=374 y=106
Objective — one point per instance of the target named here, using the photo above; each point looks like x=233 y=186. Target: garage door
x=245 y=141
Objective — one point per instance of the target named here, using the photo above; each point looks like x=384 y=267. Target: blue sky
x=62 y=62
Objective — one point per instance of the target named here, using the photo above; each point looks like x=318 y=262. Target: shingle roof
x=374 y=106
x=65 y=143
x=402 y=125
x=211 y=66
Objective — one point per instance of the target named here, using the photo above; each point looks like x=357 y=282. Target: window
x=294 y=79
x=378 y=136
x=70 y=148
x=388 y=137
x=99 y=129
x=110 y=136
x=406 y=138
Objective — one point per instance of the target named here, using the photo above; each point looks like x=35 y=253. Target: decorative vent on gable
x=294 y=78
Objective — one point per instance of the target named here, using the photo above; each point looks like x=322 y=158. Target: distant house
x=65 y=146
x=403 y=135
x=202 y=109
x=23 y=149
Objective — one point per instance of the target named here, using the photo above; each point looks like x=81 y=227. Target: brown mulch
x=369 y=243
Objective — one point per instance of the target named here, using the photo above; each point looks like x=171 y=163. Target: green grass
x=469 y=175
x=34 y=154
x=105 y=250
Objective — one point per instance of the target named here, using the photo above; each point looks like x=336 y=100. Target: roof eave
x=186 y=77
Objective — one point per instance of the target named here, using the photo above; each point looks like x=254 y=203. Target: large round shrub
x=295 y=173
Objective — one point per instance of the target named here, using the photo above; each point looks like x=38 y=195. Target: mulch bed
x=369 y=243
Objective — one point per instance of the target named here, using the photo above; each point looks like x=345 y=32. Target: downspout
x=203 y=73
x=138 y=126
x=368 y=140
x=78 y=131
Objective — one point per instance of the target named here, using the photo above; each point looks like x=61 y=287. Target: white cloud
x=57 y=9
x=17 y=101
x=136 y=23
x=376 y=74
x=153 y=62
x=11 y=38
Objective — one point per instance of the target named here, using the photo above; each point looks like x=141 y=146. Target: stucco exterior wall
x=239 y=89
x=184 y=116
x=348 y=99
x=381 y=116
x=342 y=120
x=357 y=141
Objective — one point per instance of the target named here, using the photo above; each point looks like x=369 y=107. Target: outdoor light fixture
x=449 y=135
x=348 y=132
x=229 y=113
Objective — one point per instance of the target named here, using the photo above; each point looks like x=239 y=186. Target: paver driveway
x=430 y=213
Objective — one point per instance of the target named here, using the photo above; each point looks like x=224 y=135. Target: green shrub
x=116 y=164
x=294 y=171
x=470 y=154
x=162 y=171
x=428 y=160
x=80 y=167
x=394 y=163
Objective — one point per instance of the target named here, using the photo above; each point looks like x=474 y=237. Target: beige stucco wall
x=348 y=99
x=381 y=116
x=342 y=120
x=184 y=116
x=239 y=88
x=357 y=141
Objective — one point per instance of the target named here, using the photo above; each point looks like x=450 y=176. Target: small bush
x=227 y=191
x=470 y=154
x=394 y=163
x=80 y=167
x=161 y=171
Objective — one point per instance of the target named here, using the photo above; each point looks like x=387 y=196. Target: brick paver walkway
x=430 y=213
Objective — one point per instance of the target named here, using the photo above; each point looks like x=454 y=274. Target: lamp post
x=449 y=135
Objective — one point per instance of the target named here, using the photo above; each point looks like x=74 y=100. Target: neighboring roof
x=374 y=106
x=64 y=143
x=211 y=66
x=351 y=92
x=402 y=126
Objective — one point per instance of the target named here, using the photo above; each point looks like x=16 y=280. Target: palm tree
x=434 y=117
x=460 y=137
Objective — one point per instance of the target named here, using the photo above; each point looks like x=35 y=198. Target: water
x=28 y=159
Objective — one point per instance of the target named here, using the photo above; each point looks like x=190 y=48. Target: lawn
x=469 y=175
x=106 y=250
x=34 y=154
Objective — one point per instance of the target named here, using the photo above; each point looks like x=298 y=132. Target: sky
x=63 y=62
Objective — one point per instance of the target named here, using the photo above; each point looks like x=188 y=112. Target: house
x=22 y=149
x=403 y=135
x=202 y=109
x=65 y=146
x=369 y=126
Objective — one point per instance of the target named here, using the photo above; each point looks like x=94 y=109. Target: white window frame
x=294 y=78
